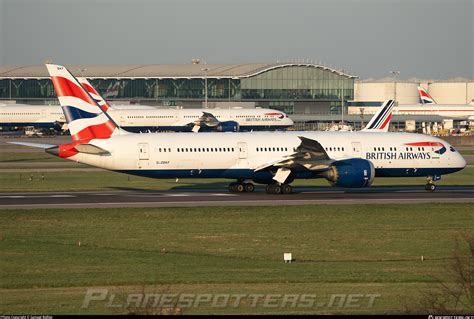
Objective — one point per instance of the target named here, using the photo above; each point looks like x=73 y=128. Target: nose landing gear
x=430 y=186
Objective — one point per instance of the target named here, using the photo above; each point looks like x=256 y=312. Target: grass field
x=356 y=249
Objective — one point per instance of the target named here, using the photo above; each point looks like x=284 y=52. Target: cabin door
x=242 y=148
x=143 y=155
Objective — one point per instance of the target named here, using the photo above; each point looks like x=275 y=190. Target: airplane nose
x=462 y=162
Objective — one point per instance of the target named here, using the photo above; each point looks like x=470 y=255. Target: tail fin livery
x=425 y=97
x=381 y=120
x=95 y=95
x=86 y=119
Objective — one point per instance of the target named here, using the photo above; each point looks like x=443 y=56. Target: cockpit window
x=452 y=149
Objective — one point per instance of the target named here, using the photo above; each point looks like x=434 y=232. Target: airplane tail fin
x=104 y=105
x=86 y=119
x=381 y=120
x=425 y=97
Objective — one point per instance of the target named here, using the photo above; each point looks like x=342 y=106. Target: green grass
x=104 y=180
x=14 y=157
x=339 y=249
x=466 y=152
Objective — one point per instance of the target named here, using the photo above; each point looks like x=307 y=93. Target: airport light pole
x=395 y=73
x=205 y=86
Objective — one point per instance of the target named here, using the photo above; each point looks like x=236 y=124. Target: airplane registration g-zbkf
x=345 y=159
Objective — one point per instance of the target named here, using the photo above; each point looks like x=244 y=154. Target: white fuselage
x=443 y=110
x=173 y=119
x=31 y=115
x=446 y=111
x=237 y=155
x=143 y=118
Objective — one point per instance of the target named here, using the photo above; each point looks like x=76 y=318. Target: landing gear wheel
x=249 y=187
x=430 y=187
x=286 y=189
x=236 y=188
x=276 y=189
x=239 y=188
x=269 y=189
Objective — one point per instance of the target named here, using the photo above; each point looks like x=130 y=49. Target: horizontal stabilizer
x=37 y=145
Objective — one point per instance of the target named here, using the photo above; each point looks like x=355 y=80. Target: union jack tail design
x=425 y=97
x=104 y=105
x=86 y=119
x=380 y=121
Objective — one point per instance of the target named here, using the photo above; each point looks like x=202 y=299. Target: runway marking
x=242 y=203
x=61 y=196
x=38 y=196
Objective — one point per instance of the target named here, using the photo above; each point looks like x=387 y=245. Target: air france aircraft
x=223 y=120
x=345 y=159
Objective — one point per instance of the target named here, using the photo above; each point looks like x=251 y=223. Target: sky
x=430 y=39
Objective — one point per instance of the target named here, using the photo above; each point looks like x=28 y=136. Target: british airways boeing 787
x=345 y=159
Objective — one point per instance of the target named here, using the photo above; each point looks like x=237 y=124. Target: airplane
x=39 y=116
x=222 y=120
x=345 y=159
x=380 y=122
x=426 y=98
x=141 y=118
x=428 y=106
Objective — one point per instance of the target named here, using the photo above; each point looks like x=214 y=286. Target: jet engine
x=351 y=173
x=228 y=126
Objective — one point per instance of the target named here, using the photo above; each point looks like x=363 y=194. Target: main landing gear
x=279 y=189
x=240 y=187
x=430 y=186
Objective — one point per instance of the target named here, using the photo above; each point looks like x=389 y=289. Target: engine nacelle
x=351 y=173
x=228 y=126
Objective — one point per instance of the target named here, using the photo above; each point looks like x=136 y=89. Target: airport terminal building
x=295 y=88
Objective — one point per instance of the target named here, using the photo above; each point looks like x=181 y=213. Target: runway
x=219 y=197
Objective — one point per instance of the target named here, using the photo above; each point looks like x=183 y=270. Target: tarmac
x=219 y=197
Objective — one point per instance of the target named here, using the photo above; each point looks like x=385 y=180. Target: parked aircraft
x=428 y=106
x=222 y=120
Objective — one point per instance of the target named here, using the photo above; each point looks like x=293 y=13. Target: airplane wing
x=309 y=155
x=37 y=145
x=206 y=119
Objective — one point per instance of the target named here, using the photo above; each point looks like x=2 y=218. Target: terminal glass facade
x=282 y=86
